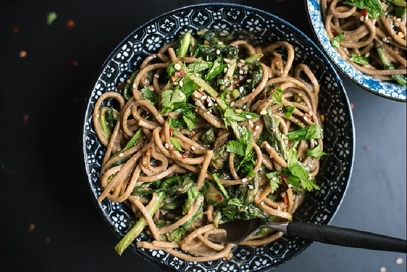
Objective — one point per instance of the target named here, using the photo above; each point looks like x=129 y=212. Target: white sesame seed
x=232 y=104
x=248 y=116
x=210 y=104
x=257 y=128
x=121 y=155
x=193 y=148
x=399 y=261
x=156 y=75
x=263 y=112
x=244 y=180
x=251 y=124
x=203 y=97
x=382 y=269
x=181 y=83
x=250 y=187
x=166 y=145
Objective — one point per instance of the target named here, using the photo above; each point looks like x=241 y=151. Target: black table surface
x=48 y=219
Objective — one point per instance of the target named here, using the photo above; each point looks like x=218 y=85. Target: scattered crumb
x=23 y=54
x=366 y=148
x=352 y=106
x=15 y=30
x=71 y=62
x=399 y=261
x=51 y=16
x=70 y=24
x=30 y=228
x=25 y=118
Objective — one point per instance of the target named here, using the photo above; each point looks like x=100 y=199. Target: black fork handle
x=345 y=237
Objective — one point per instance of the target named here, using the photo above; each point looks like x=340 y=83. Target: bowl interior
x=319 y=207
x=382 y=88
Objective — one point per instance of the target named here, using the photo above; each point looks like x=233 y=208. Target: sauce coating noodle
x=220 y=130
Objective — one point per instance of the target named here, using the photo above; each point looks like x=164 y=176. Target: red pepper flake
x=366 y=148
x=121 y=85
x=23 y=54
x=71 y=62
x=219 y=198
x=15 y=30
x=170 y=131
x=363 y=13
x=25 y=118
x=184 y=155
x=31 y=228
x=70 y=24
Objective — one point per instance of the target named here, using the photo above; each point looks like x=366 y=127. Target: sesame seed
x=263 y=112
x=232 y=104
x=248 y=116
x=382 y=269
x=193 y=148
x=156 y=75
x=257 y=128
x=399 y=261
x=203 y=97
x=244 y=180
x=166 y=145
x=218 y=52
x=250 y=187
x=251 y=124
x=268 y=146
x=121 y=155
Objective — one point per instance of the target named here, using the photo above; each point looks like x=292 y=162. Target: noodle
x=375 y=45
x=189 y=150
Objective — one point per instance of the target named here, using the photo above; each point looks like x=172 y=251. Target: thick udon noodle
x=361 y=33
x=278 y=71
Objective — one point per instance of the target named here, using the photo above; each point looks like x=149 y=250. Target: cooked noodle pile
x=371 y=38
x=212 y=129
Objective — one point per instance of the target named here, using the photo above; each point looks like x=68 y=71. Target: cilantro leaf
x=374 y=7
x=316 y=152
x=336 y=41
x=306 y=133
x=274 y=180
x=149 y=95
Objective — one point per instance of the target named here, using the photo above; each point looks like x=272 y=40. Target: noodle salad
x=371 y=35
x=210 y=129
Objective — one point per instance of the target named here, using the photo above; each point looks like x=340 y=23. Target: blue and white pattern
x=382 y=88
x=319 y=207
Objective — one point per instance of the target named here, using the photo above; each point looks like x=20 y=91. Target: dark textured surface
x=42 y=100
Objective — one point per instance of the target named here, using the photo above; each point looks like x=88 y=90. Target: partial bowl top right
x=367 y=42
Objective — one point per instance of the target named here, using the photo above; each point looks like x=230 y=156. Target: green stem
x=209 y=90
x=138 y=227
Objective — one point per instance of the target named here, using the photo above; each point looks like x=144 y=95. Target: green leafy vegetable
x=356 y=58
x=336 y=41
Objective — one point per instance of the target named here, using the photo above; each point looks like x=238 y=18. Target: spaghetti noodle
x=210 y=129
